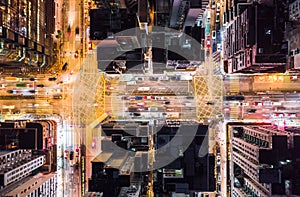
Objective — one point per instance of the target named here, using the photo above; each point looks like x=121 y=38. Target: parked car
x=139 y=78
x=153 y=78
x=164 y=78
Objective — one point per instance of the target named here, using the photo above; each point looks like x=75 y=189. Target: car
x=294 y=78
x=234 y=98
x=153 y=78
x=138 y=98
x=159 y=98
x=213 y=35
x=218 y=159
x=52 y=79
x=71 y=155
x=77 y=165
x=164 y=78
x=12 y=91
x=76 y=54
x=167 y=102
x=210 y=103
x=110 y=88
x=267 y=103
x=208 y=43
x=251 y=110
x=136 y=114
x=57 y=96
x=219 y=178
x=126 y=97
x=189 y=97
x=217 y=17
x=291 y=115
x=213 y=4
x=32 y=91
x=175 y=77
x=139 y=78
x=132 y=109
x=32 y=79
x=226 y=109
x=218 y=7
x=40 y=85
x=278 y=115
x=65 y=67
x=219 y=47
x=90 y=45
x=219 y=116
x=258 y=103
x=140 y=103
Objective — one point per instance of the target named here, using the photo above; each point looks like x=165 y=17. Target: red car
x=208 y=43
x=76 y=54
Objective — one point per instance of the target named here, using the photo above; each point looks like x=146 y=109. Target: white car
x=217 y=17
x=164 y=78
x=159 y=98
x=219 y=47
x=218 y=7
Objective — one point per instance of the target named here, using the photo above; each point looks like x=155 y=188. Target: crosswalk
x=234 y=85
x=234 y=112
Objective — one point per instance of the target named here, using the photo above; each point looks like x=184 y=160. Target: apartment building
x=262 y=161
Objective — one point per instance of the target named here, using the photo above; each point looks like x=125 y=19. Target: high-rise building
x=254 y=41
x=263 y=161
x=26 y=33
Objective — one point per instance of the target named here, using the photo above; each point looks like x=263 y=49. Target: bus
x=234 y=98
x=21 y=85
x=12 y=79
